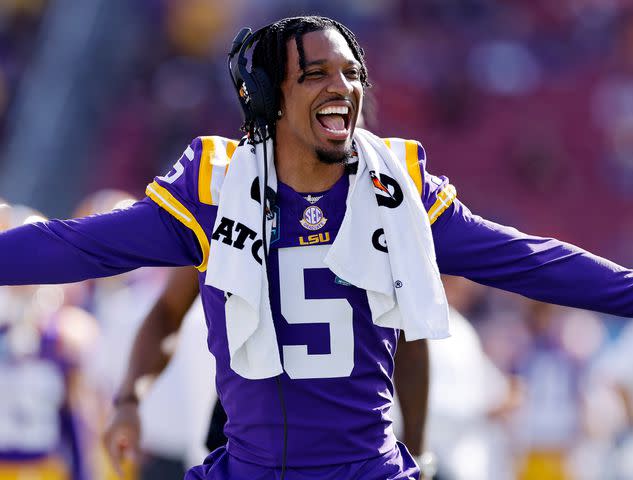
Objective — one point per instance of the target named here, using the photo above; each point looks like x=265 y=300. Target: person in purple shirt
x=330 y=423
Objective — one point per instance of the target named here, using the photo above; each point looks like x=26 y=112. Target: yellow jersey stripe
x=230 y=150
x=219 y=162
x=408 y=149
x=206 y=170
x=231 y=145
x=413 y=166
x=407 y=152
x=167 y=201
x=444 y=200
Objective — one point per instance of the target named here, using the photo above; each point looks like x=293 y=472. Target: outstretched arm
x=148 y=358
x=544 y=269
x=97 y=246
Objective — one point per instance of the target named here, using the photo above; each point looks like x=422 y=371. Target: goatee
x=334 y=158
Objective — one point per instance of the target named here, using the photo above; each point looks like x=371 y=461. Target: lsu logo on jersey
x=313 y=218
x=315 y=238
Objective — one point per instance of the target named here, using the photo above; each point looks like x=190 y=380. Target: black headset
x=255 y=92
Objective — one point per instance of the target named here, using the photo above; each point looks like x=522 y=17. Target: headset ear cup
x=264 y=100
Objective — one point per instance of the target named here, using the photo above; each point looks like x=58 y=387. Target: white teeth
x=331 y=110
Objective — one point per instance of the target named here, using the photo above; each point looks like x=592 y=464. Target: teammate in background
x=465 y=434
x=304 y=355
x=613 y=373
x=149 y=358
x=119 y=304
x=550 y=426
x=163 y=322
x=43 y=430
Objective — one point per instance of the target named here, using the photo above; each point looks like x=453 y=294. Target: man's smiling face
x=321 y=103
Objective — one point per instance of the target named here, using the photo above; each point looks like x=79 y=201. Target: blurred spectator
x=468 y=395
x=551 y=422
x=118 y=304
x=45 y=430
x=188 y=383
x=19 y=21
x=613 y=377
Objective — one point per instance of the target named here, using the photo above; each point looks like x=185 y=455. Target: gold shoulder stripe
x=413 y=165
x=407 y=152
x=206 y=170
x=444 y=200
x=216 y=156
x=231 y=145
x=166 y=200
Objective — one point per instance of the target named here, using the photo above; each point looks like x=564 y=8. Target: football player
x=327 y=413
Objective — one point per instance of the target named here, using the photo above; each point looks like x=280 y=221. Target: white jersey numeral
x=178 y=168
x=297 y=309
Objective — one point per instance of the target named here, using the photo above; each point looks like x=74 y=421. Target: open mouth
x=335 y=120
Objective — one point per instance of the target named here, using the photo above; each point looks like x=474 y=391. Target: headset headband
x=254 y=89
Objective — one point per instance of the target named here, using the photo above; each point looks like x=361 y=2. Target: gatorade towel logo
x=388 y=192
x=313 y=218
x=379 y=241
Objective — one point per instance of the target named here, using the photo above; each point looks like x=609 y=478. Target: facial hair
x=334 y=158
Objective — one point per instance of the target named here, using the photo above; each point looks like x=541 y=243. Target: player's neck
x=304 y=172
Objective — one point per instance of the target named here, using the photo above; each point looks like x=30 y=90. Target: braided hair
x=271 y=52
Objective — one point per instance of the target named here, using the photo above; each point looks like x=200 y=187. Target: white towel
x=403 y=285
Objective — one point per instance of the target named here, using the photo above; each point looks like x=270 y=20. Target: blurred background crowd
x=527 y=105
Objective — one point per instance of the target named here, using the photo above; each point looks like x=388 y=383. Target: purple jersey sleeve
x=544 y=269
x=190 y=190
x=540 y=268
x=101 y=245
x=165 y=229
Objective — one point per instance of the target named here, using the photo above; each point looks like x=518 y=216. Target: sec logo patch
x=313 y=218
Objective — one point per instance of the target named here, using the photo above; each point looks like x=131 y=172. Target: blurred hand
x=122 y=436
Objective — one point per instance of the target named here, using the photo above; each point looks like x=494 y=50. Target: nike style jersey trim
x=166 y=200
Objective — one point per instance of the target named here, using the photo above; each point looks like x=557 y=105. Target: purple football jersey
x=338 y=365
x=337 y=382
